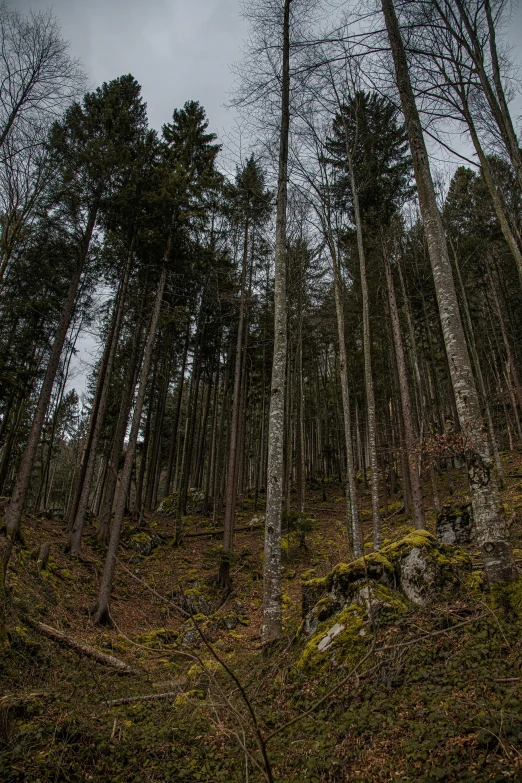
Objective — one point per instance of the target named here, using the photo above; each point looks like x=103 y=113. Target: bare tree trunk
x=368 y=374
x=494 y=94
x=299 y=433
x=488 y=516
x=480 y=376
x=101 y=610
x=97 y=417
x=138 y=500
x=412 y=452
x=509 y=353
x=272 y=610
x=496 y=196
x=351 y=489
x=174 y=437
x=14 y=511
x=231 y=488
x=118 y=439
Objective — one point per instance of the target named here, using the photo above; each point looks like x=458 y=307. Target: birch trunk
x=272 y=611
x=488 y=516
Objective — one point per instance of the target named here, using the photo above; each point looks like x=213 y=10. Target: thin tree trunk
x=101 y=610
x=272 y=609
x=174 y=436
x=368 y=374
x=231 y=488
x=118 y=439
x=412 y=452
x=97 y=416
x=14 y=510
x=479 y=374
x=351 y=488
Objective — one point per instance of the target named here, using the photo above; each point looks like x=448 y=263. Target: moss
x=390 y=602
x=416 y=539
x=508 y=597
x=374 y=566
x=157 y=637
x=342 y=647
x=140 y=538
x=308 y=575
x=474 y=583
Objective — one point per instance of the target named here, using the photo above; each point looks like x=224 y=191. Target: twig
x=147 y=697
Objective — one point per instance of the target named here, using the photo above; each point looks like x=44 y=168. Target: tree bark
x=231 y=488
x=272 y=610
x=489 y=521
x=368 y=374
x=101 y=610
x=118 y=438
x=345 y=390
x=97 y=417
x=412 y=452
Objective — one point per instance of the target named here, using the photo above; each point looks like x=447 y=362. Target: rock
x=190 y=636
x=341 y=608
x=455 y=526
x=330 y=635
x=418 y=576
x=197 y=599
x=142 y=542
x=195 y=501
x=169 y=505
x=376 y=600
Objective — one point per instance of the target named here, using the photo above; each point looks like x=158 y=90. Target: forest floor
x=439 y=701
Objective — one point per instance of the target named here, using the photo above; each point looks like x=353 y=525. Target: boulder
x=197 y=598
x=376 y=588
x=455 y=526
x=143 y=542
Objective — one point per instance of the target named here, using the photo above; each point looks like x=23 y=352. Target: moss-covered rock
x=157 y=637
x=141 y=541
x=198 y=598
x=455 y=525
x=169 y=505
x=417 y=568
x=334 y=642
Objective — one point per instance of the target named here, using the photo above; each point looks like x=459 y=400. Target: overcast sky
x=178 y=50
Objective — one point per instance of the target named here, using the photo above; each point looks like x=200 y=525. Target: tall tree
x=91 y=147
x=488 y=515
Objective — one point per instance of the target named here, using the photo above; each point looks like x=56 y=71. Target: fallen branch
x=147 y=697
x=84 y=649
